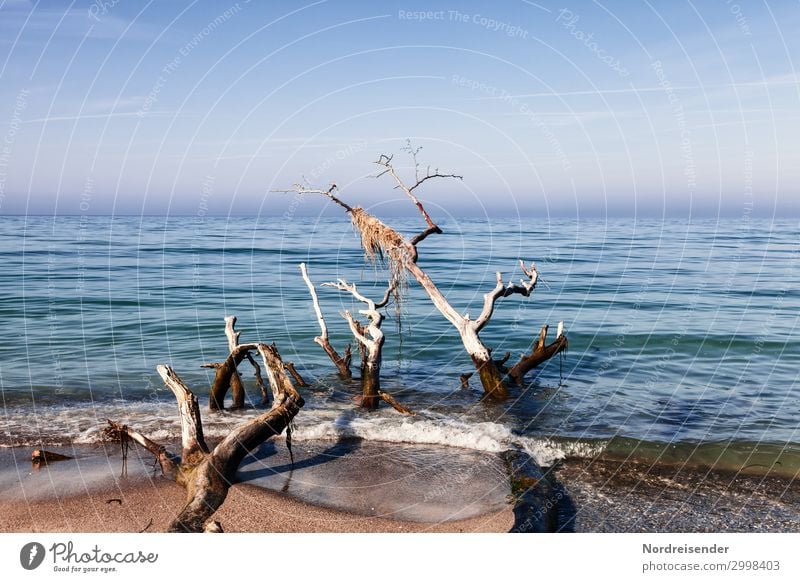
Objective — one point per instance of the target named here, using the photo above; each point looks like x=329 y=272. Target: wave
x=62 y=425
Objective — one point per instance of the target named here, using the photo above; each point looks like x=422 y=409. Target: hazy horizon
x=568 y=110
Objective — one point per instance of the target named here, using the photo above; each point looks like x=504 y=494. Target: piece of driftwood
x=391 y=401
x=207 y=474
x=227 y=375
x=41 y=457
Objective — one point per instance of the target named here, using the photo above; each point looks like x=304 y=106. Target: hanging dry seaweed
x=381 y=243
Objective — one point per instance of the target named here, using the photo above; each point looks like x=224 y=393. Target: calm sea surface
x=684 y=338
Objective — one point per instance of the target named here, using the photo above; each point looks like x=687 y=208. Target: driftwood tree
x=370 y=340
x=380 y=241
x=205 y=473
x=227 y=375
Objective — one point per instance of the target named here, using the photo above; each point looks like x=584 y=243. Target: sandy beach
x=368 y=487
x=150 y=506
x=354 y=490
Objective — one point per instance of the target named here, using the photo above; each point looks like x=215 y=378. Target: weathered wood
x=208 y=483
x=227 y=376
x=298 y=379
x=539 y=354
x=40 y=457
x=342 y=363
x=223 y=378
x=192 y=441
x=380 y=240
x=259 y=380
x=207 y=474
x=494 y=386
x=391 y=401
x=371 y=340
x=237 y=388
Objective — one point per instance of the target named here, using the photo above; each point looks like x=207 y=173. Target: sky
x=568 y=109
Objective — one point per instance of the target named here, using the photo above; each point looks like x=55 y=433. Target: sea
x=684 y=346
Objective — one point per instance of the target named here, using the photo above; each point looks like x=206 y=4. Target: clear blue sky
x=568 y=109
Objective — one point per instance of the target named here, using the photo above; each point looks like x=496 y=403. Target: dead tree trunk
x=380 y=240
x=377 y=237
x=372 y=343
x=208 y=474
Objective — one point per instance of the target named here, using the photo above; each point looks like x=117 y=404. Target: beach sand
x=150 y=506
x=355 y=487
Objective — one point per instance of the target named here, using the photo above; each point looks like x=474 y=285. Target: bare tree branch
x=259 y=379
x=300 y=189
x=289 y=367
x=386 y=162
x=342 y=363
x=390 y=400
x=225 y=372
x=524 y=288
x=540 y=353
x=192 y=439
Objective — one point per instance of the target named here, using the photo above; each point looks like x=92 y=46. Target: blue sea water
x=683 y=335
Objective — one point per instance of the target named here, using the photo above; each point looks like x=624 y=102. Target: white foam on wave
x=444 y=431
x=160 y=423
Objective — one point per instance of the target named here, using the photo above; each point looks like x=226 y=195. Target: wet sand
x=611 y=496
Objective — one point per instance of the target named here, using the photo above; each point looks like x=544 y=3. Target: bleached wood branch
x=373 y=315
x=301 y=189
x=371 y=347
x=192 y=441
x=342 y=363
x=231 y=333
x=500 y=290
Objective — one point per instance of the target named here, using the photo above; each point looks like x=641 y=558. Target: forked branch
x=540 y=353
x=525 y=288
x=385 y=162
x=342 y=363
x=370 y=339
